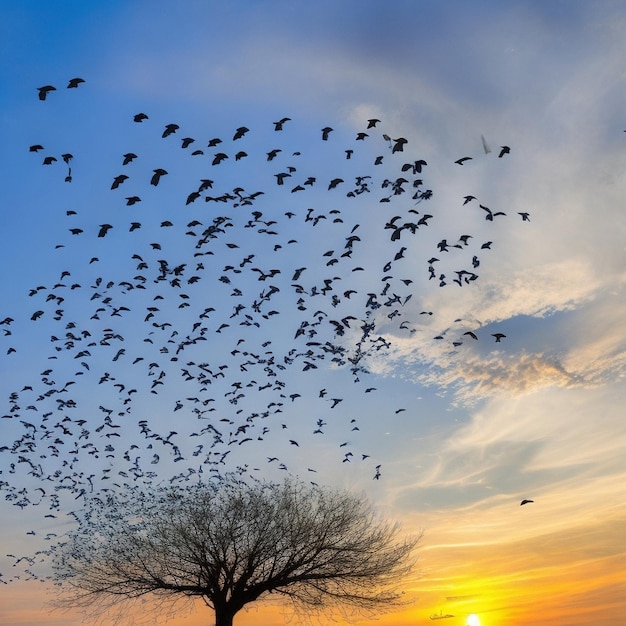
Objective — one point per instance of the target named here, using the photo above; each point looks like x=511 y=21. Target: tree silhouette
x=231 y=543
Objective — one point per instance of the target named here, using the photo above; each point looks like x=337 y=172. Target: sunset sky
x=462 y=430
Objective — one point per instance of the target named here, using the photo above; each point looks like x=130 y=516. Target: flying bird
x=170 y=129
x=523 y=502
x=45 y=90
x=504 y=150
x=118 y=180
x=218 y=158
x=74 y=82
x=279 y=125
x=156 y=177
x=398 y=145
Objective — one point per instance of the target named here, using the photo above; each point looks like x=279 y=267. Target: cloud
x=562 y=448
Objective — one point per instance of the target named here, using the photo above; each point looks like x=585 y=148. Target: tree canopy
x=230 y=543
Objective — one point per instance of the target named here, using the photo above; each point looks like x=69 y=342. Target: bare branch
x=231 y=543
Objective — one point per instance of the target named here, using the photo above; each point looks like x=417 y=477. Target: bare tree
x=231 y=543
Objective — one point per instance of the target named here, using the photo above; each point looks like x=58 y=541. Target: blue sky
x=484 y=425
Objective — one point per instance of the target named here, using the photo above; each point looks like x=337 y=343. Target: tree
x=231 y=543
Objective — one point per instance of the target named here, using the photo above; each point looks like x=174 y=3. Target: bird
x=45 y=90
x=462 y=160
x=118 y=180
x=399 y=144
x=218 y=158
x=325 y=132
x=498 y=336
x=170 y=129
x=371 y=123
x=279 y=125
x=504 y=150
x=140 y=117
x=525 y=216
x=104 y=229
x=490 y=214
x=525 y=501
x=240 y=132
x=74 y=82
x=156 y=177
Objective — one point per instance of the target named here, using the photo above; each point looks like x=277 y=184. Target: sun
x=472 y=620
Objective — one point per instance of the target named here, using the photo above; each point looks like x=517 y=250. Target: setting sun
x=472 y=620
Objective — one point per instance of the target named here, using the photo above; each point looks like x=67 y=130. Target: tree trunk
x=224 y=620
x=224 y=616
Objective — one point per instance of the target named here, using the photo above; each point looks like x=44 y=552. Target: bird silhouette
x=279 y=125
x=156 y=177
x=45 y=90
x=170 y=129
x=74 y=82
x=104 y=229
x=118 y=180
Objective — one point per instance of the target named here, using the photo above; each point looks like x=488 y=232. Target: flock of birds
x=185 y=343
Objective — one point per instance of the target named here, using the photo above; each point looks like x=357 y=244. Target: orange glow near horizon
x=570 y=577
x=583 y=592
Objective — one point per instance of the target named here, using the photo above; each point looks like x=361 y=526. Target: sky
x=444 y=433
